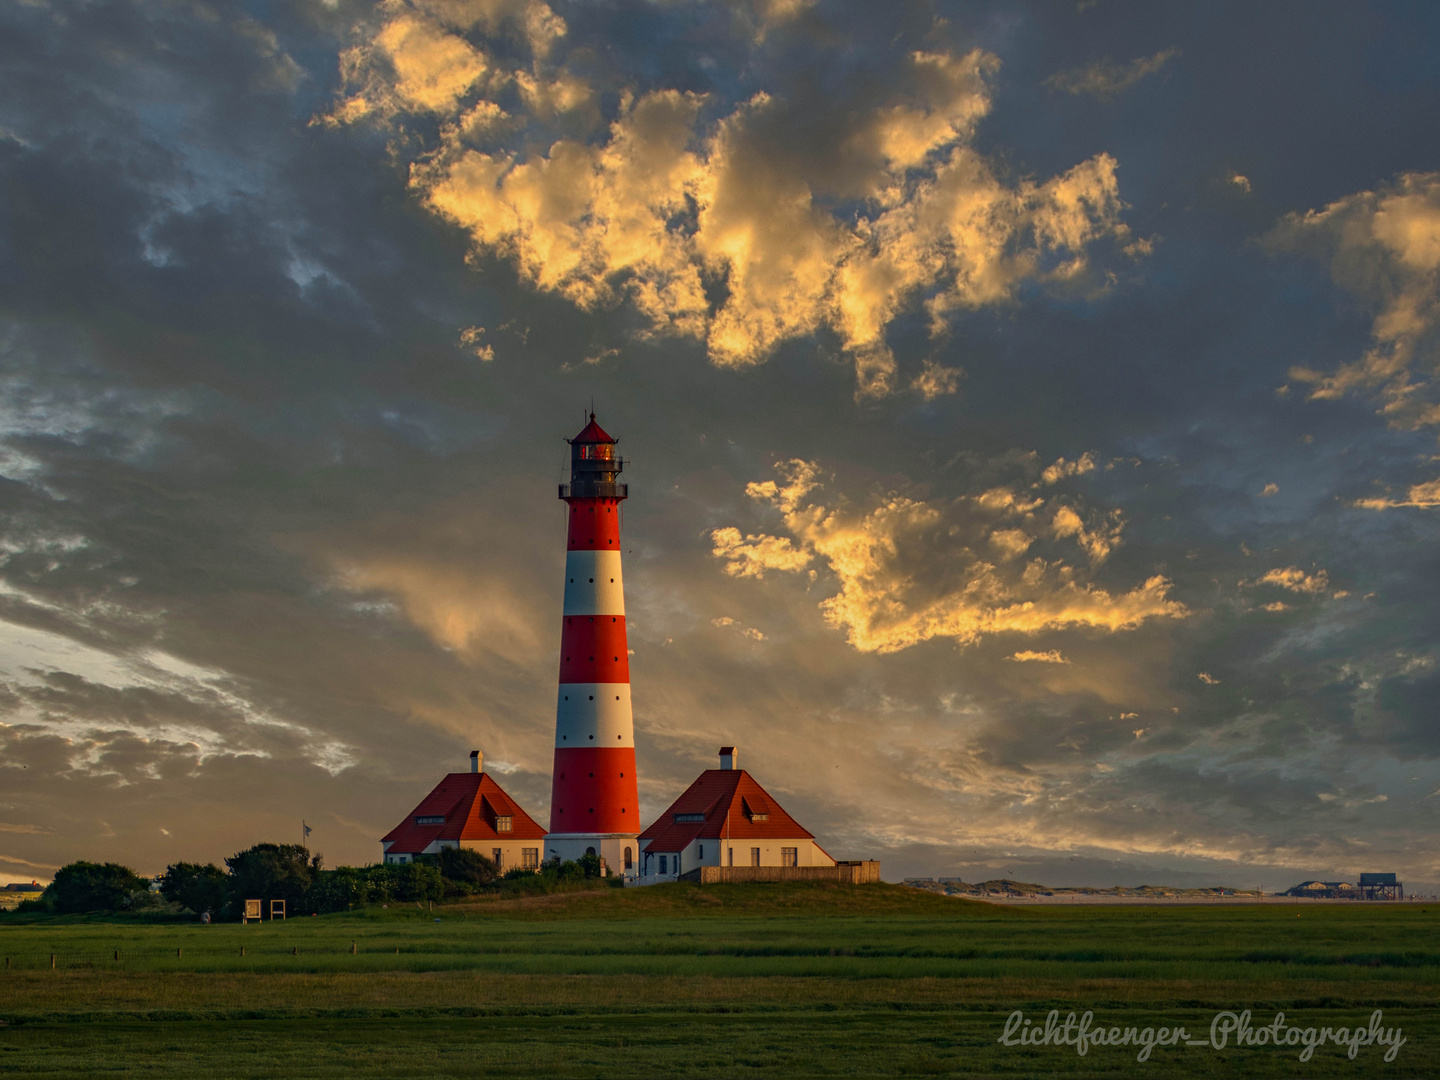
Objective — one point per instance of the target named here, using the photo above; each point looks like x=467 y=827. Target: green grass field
x=738 y=980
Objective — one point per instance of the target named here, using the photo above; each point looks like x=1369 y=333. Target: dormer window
x=504 y=823
x=755 y=808
x=430 y=819
x=682 y=818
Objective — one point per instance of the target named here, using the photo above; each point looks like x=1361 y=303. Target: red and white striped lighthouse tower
x=594 y=804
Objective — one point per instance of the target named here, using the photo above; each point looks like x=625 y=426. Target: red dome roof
x=592 y=433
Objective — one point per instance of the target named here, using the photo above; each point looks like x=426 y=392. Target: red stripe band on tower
x=593 y=650
x=594 y=791
x=594 y=525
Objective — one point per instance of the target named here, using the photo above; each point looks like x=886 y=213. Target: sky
x=1031 y=414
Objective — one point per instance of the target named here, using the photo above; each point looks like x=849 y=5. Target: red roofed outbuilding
x=725 y=818
x=468 y=810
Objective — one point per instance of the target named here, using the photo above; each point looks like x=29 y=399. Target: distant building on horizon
x=468 y=810
x=1371 y=887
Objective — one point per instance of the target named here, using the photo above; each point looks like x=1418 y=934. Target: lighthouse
x=594 y=802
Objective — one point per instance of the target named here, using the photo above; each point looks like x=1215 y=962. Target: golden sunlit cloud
x=662 y=203
x=1053 y=474
x=908 y=571
x=1424 y=496
x=1026 y=656
x=1383 y=246
x=1294 y=579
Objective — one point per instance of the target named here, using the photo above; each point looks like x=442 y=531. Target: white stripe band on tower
x=594 y=714
x=593 y=585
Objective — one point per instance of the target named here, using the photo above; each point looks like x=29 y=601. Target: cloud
x=1053 y=474
x=907 y=571
x=1384 y=247
x=1208 y=679
x=471 y=340
x=1269 y=489
x=1424 y=496
x=1295 y=580
x=1098 y=540
x=740 y=232
x=936 y=380
x=1027 y=656
x=1104 y=79
x=753 y=555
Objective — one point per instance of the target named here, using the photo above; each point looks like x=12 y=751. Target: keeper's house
x=468 y=810
x=725 y=819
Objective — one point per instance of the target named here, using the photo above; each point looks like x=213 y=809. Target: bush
x=191 y=885
x=415 y=881
x=346 y=888
x=351 y=887
x=466 y=865
x=86 y=886
x=589 y=864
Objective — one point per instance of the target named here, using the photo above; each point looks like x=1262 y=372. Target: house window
x=628 y=859
x=754 y=856
x=663 y=867
x=431 y=819
x=530 y=858
x=732 y=856
x=702 y=851
x=504 y=823
x=680 y=819
x=789 y=856
x=497 y=856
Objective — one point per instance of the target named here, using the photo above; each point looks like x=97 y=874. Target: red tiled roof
x=731 y=802
x=592 y=433
x=469 y=803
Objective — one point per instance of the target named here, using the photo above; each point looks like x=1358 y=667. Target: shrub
x=467 y=865
x=87 y=886
x=415 y=881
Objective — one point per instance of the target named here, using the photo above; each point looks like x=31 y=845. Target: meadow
x=735 y=980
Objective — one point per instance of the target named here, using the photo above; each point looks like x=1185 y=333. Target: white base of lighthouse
x=621 y=851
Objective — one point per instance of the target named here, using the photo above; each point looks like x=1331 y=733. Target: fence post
x=242 y=950
x=352 y=948
x=177 y=954
x=117 y=954
x=52 y=961
x=295 y=951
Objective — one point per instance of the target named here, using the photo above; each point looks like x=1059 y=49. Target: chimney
x=475 y=759
x=727 y=757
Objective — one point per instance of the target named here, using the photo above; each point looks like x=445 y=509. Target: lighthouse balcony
x=593 y=489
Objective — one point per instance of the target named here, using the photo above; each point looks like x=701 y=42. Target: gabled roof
x=592 y=433
x=468 y=804
x=723 y=803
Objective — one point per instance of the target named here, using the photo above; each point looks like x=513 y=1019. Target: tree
x=590 y=864
x=467 y=865
x=272 y=872
x=199 y=888
x=88 y=886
